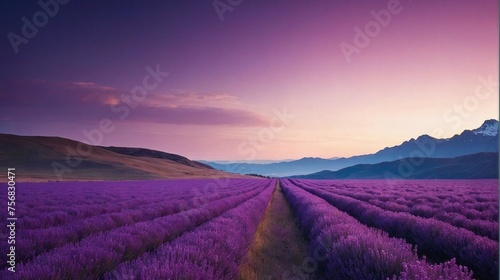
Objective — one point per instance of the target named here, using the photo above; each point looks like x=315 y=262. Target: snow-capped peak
x=489 y=128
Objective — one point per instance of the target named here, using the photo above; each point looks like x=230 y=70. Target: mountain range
x=475 y=166
x=479 y=140
x=39 y=158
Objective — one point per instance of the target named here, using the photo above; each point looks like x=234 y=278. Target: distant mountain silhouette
x=475 y=166
x=482 y=139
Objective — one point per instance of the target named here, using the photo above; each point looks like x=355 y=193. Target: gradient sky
x=226 y=79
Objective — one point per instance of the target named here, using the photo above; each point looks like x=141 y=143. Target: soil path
x=279 y=248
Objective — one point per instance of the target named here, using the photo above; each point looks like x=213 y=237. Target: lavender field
x=209 y=228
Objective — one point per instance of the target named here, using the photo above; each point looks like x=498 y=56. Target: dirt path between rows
x=279 y=248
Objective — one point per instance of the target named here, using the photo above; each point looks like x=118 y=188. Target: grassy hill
x=39 y=158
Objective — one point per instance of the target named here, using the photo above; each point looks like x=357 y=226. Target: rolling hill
x=39 y=158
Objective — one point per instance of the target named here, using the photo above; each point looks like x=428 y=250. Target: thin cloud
x=83 y=102
x=190 y=98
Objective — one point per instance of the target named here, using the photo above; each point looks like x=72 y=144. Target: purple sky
x=421 y=73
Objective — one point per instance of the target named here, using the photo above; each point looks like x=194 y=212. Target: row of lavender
x=477 y=195
x=34 y=242
x=156 y=199
x=89 y=256
x=465 y=204
x=438 y=240
x=214 y=250
x=54 y=204
x=474 y=199
x=343 y=248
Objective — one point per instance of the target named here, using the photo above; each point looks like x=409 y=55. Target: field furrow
x=279 y=249
x=343 y=248
x=96 y=254
x=74 y=201
x=256 y=229
x=35 y=242
x=474 y=213
x=437 y=240
x=211 y=251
